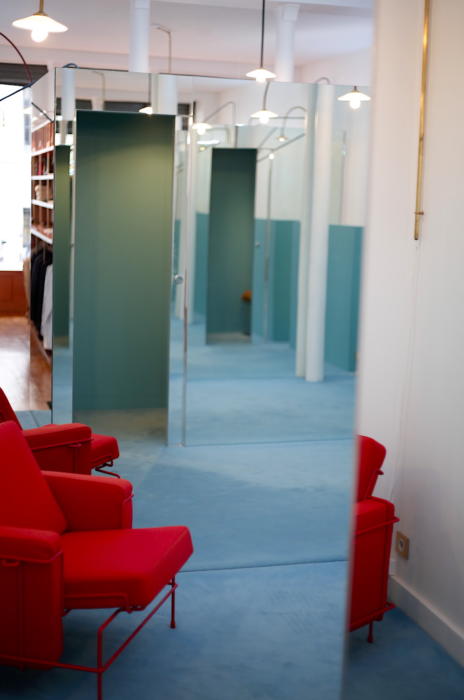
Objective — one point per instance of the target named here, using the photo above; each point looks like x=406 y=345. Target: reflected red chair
x=71 y=447
x=67 y=543
x=374 y=520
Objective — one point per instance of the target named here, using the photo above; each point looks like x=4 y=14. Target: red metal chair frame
x=102 y=665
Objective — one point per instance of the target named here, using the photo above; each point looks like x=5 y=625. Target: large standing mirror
x=206 y=281
x=271 y=250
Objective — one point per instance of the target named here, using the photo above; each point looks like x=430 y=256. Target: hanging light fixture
x=354 y=97
x=264 y=115
x=40 y=24
x=202 y=127
x=261 y=74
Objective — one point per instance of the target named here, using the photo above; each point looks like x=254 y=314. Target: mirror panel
x=251 y=354
x=260 y=435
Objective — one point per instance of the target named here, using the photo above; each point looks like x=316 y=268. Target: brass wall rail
x=419 y=213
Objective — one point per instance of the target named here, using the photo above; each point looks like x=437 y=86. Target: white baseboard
x=426 y=616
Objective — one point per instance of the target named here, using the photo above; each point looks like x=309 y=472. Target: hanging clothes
x=46 y=328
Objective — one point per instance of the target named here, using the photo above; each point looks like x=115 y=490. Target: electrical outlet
x=402 y=545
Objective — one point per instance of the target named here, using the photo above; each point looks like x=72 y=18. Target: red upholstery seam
x=13 y=561
x=377 y=527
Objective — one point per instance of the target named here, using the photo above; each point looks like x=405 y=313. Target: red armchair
x=66 y=542
x=66 y=448
x=374 y=520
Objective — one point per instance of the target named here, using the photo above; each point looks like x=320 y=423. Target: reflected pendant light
x=261 y=74
x=354 y=97
x=264 y=115
x=40 y=24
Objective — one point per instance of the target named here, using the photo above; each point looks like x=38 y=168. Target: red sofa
x=66 y=542
x=72 y=447
x=374 y=520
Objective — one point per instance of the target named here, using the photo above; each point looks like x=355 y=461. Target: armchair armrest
x=62 y=448
x=25 y=544
x=57 y=435
x=92 y=502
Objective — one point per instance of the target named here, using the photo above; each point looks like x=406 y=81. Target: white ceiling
x=210 y=30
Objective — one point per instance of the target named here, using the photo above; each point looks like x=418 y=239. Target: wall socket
x=402 y=545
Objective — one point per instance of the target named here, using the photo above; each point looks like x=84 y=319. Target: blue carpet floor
x=251 y=634
x=260 y=605
x=404 y=663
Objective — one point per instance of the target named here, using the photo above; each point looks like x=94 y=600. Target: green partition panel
x=343 y=284
x=61 y=246
x=122 y=274
x=201 y=266
x=283 y=280
x=230 y=240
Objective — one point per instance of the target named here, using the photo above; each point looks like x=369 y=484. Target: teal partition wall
x=122 y=273
x=343 y=284
x=201 y=266
x=275 y=304
x=230 y=240
x=61 y=246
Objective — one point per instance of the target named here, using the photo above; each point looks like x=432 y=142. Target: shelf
x=39 y=203
x=42 y=177
x=49 y=149
x=43 y=236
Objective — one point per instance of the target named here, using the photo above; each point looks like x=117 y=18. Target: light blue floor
x=261 y=603
x=404 y=663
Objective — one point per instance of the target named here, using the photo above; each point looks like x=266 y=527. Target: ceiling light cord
x=26 y=67
x=263 y=25
x=167 y=31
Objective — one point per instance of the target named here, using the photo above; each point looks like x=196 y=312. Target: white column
x=303 y=256
x=287 y=15
x=166 y=91
x=68 y=100
x=319 y=240
x=139 y=48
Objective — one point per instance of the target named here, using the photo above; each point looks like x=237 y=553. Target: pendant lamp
x=261 y=74
x=354 y=97
x=40 y=24
x=264 y=115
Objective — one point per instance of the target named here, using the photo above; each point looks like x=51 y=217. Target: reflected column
x=312 y=275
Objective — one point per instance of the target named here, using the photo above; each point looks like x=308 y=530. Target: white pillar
x=166 y=91
x=68 y=100
x=319 y=240
x=303 y=256
x=287 y=15
x=139 y=48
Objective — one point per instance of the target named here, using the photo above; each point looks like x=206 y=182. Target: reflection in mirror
x=25 y=262
x=115 y=354
x=273 y=246
x=265 y=220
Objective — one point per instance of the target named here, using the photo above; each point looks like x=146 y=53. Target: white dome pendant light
x=354 y=97
x=264 y=115
x=261 y=74
x=40 y=24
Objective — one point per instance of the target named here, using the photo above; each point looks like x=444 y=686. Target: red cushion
x=371 y=558
x=127 y=568
x=103 y=448
x=25 y=497
x=370 y=458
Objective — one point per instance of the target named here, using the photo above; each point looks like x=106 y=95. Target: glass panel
x=112 y=329
x=272 y=347
x=262 y=364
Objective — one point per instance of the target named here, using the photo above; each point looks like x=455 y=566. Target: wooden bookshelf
x=42 y=174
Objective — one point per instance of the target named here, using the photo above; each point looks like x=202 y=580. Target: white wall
x=344 y=69
x=411 y=387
